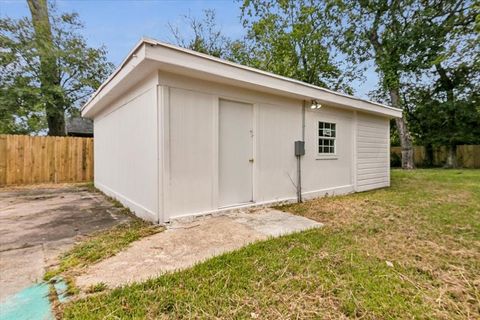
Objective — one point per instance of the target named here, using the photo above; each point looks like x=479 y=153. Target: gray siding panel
x=373 y=152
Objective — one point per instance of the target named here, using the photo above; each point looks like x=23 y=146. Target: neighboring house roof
x=79 y=126
x=150 y=54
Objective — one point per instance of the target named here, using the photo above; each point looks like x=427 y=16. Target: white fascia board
x=188 y=62
x=134 y=58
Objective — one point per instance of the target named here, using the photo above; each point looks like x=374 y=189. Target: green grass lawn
x=409 y=251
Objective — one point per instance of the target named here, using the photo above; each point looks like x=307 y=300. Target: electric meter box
x=299 y=148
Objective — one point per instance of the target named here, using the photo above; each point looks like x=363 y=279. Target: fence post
x=3 y=160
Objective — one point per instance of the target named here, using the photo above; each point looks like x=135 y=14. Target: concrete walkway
x=185 y=243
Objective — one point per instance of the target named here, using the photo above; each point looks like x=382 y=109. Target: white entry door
x=235 y=153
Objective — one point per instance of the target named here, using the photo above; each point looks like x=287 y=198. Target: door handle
x=251 y=160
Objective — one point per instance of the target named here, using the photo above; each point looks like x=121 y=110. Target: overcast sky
x=120 y=24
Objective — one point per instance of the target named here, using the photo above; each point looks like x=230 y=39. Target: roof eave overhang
x=150 y=53
x=122 y=75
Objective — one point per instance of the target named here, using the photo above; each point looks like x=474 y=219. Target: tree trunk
x=451 y=156
x=428 y=155
x=403 y=133
x=55 y=120
x=49 y=72
x=393 y=85
x=448 y=86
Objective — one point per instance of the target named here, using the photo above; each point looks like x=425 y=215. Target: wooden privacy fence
x=468 y=156
x=27 y=160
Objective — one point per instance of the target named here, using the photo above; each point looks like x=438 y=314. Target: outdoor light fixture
x=315 y=105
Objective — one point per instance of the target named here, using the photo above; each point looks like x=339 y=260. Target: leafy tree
x=382 y=31
x=48 y=73
x=441 y=118
x=203 y=35
x=20 y=110
x=450 y=63
x=46 y=70
x=420 y=48
x=296 y=39
x=436 y=122
x=289 y=38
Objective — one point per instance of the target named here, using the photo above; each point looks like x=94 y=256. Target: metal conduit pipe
x=299 y=152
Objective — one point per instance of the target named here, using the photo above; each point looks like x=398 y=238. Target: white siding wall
x=373 y=152
x=328 y=174
x=126 y=159
x=170 y=122
x=192 y=152
x=277 y=127
x=134 y=138
x=191 y=146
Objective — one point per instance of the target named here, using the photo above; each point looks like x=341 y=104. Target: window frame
x=321 y=126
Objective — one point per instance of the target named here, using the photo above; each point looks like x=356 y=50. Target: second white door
x=235 y=153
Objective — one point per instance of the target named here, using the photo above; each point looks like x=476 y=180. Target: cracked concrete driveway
x=37 y=224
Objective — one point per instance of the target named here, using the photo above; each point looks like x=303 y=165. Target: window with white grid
x=327 y=132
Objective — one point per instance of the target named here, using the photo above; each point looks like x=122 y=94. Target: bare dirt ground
x=39 y=223
x=186 y=243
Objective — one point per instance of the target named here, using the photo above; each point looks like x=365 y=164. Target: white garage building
x=182 y=133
